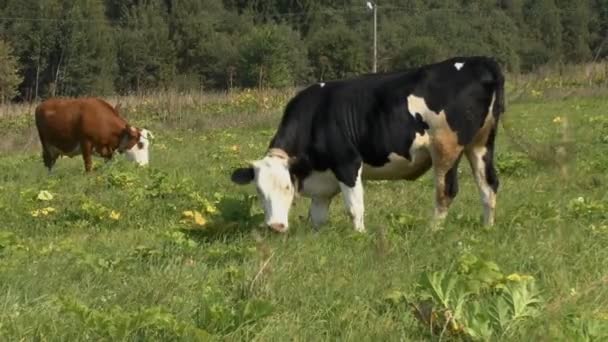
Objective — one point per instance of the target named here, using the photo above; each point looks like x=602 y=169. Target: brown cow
x=86 y=126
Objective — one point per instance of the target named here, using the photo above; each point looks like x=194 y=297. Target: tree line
x=100 y=47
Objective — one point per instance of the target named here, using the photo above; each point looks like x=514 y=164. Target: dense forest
x=67 y=47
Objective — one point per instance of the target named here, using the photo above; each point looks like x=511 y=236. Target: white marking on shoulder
x=417 y=104
x=458 y=65
x=322 y=84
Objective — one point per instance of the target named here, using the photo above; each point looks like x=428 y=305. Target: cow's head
x=274 y=184
x=135 y=144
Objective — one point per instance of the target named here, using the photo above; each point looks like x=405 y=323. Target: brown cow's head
x=135 y=144
x=129 y=137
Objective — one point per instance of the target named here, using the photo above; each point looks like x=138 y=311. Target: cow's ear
x=131 y=131
x=243 y=175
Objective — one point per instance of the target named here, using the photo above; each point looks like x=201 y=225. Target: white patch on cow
x=353 y=200
x=417 y=104
x=320 y=184
x=140 y=152
x=398 y=166
x=420 y=141
x=275 y=190
x=435 y=121
x=322 y=84
x=458 y=65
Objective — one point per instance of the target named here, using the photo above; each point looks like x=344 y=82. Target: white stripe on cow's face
x=275 y=190
x=458 y=66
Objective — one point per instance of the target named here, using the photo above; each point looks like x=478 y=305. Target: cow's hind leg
x=349 y=178
x=481 y=158
x=446 y=153
x=49 y=157
x=87 y=152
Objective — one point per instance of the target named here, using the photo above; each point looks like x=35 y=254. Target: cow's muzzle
x=278 y=227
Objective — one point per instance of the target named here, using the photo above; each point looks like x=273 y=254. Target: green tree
x=417 y=51
x=337 y=52
x=146 y=55
x=9 y=72
x=86 y=51
x=206 y=37
x=543 y=38
x=576 y=17
x=116 y=8
x=599 y=28
x=271 y=56
x=33 y=41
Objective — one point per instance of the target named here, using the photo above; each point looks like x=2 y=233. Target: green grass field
x=112 y=256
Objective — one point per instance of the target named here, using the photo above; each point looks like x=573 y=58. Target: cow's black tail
x=499 y=81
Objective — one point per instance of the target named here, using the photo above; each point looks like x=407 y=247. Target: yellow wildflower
x=196 y=216
x=602 y=315
x=115 y=215
x=557 y=119
x=514 y=277
x=42 y=212
x=519 y=277
x=210 y=208
x=44 y=196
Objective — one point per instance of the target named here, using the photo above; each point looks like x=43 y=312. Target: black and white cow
x=383 y=126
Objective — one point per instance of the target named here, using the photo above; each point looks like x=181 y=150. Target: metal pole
x=375 y=67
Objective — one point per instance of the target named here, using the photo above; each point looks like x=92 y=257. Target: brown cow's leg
x=49 y=158
x=481 y=158
x=105 y=152
x=445 y=153
x=87 y=151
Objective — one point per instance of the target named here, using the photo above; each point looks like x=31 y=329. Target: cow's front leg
x=319 y=210
x=352 y=190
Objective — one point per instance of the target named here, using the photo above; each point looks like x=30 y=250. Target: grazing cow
x=85 y=126
x=383 y=126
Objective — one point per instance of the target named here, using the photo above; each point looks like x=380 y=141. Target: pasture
x=175 y=252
